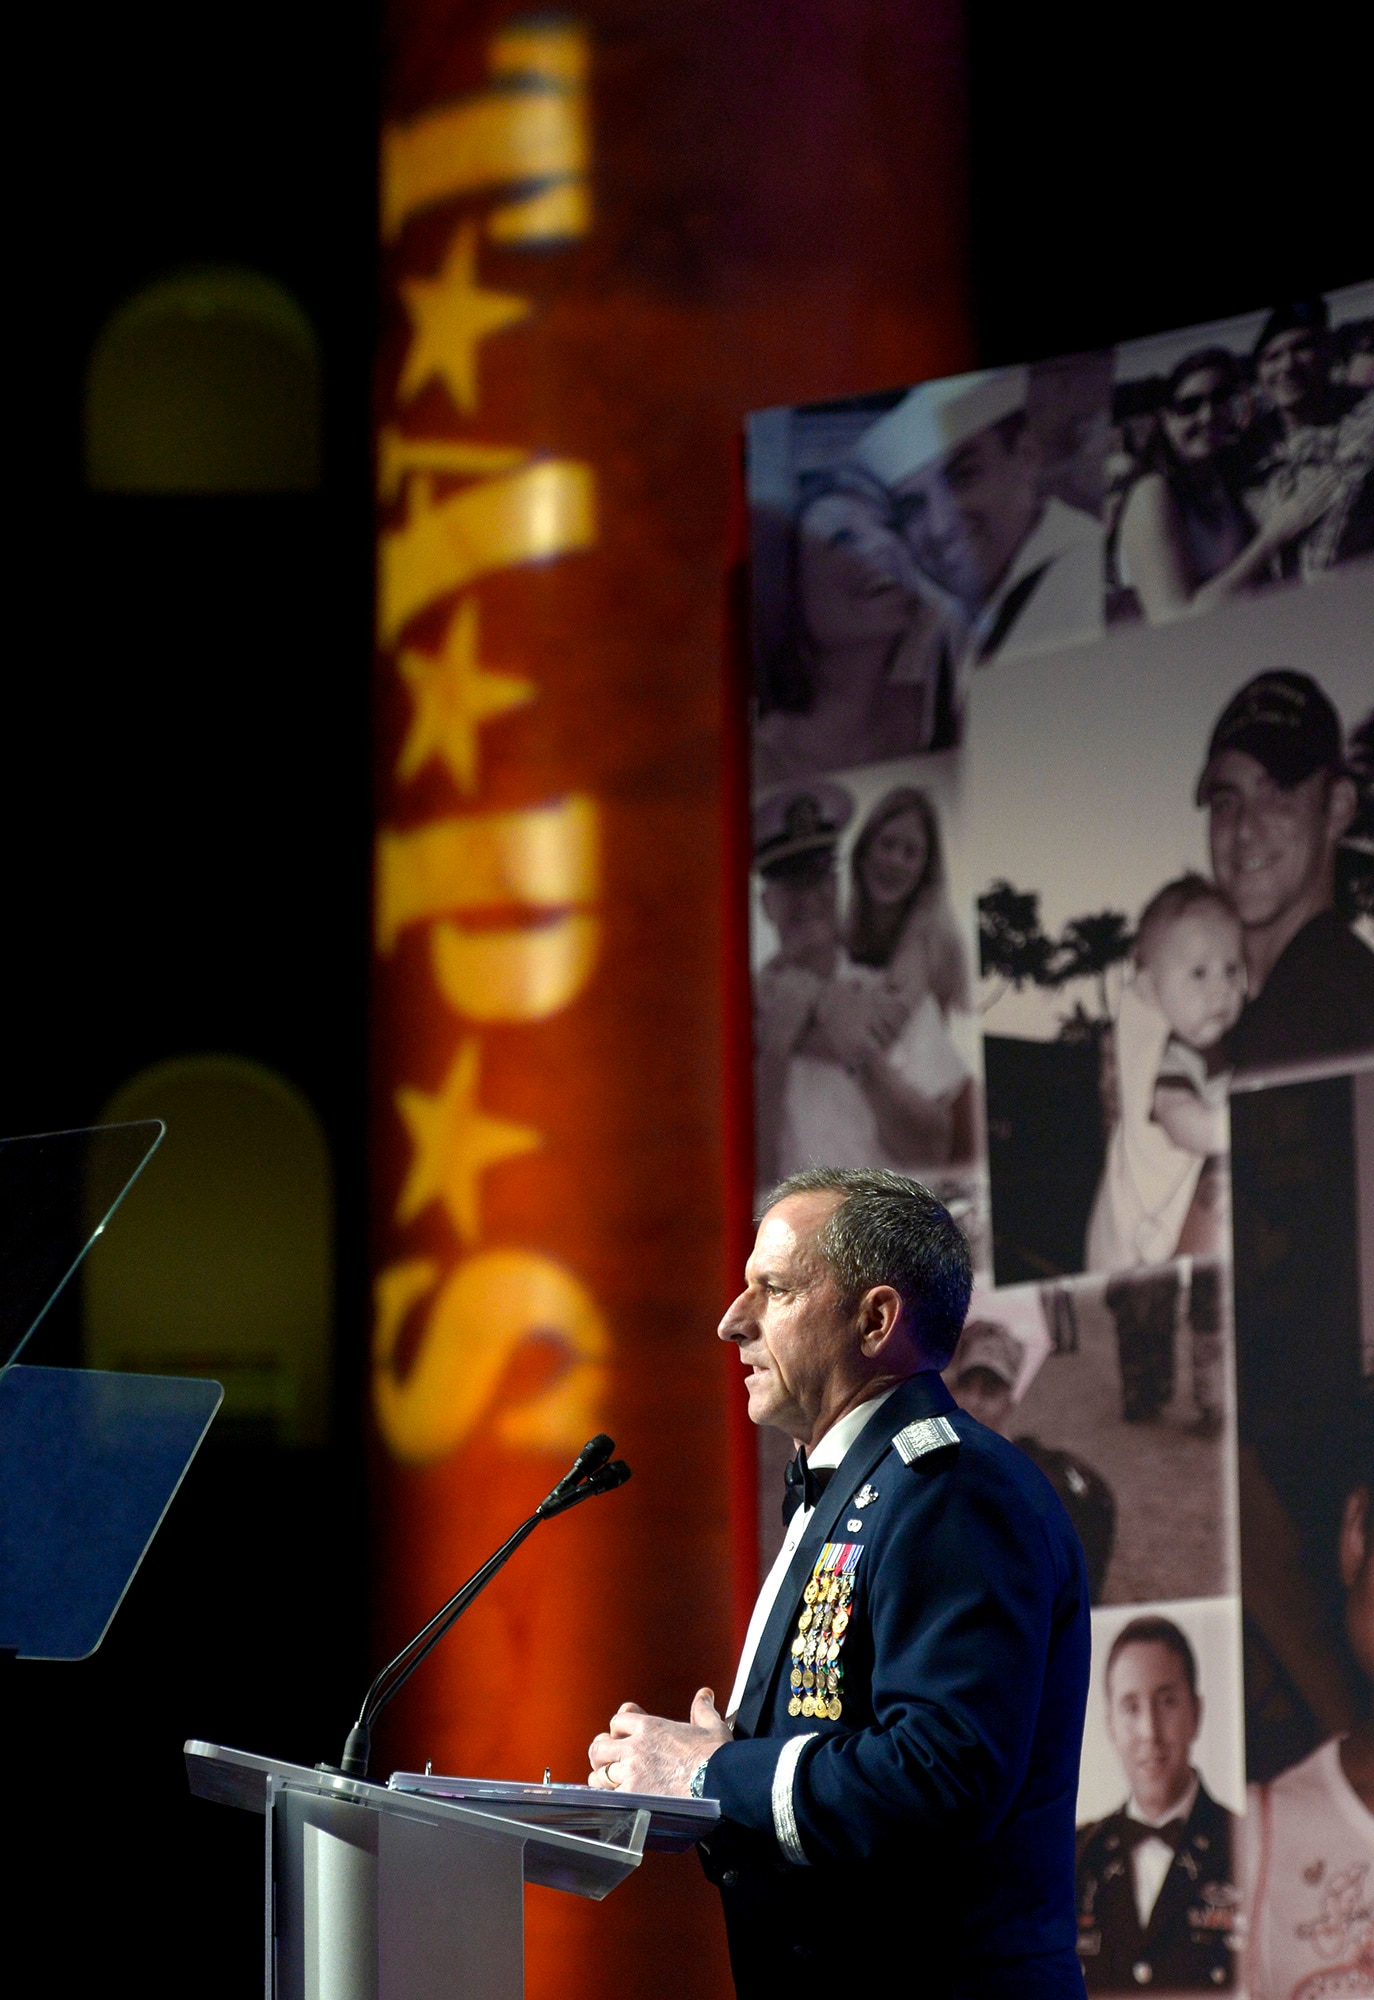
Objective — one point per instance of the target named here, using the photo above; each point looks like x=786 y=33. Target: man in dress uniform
x=1157 y=1904
x=898 y=1762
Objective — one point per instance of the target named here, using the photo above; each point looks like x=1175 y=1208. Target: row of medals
x=816 y=1669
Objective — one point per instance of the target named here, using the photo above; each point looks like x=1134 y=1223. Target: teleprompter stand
x=375 y=1893
x=89 y=1461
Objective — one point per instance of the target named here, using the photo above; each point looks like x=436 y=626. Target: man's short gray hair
x=889 y=1230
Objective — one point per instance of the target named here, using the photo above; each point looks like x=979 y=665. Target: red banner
x=587 y=283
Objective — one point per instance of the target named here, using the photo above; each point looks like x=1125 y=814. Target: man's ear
x=1342 y=807
x=1357 y=1529
x=880 y=1316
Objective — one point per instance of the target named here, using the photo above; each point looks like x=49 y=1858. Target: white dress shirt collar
x=843 y=1432
x=1181 y=1809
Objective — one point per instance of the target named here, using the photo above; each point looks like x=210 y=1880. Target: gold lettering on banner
x=454 y=1142
x=507 y=898
x=515 y=975
x=548 y=509
x=452 y=695
x=400 y=458
x=530 y=126
x=562 y=210
x=552 y=52
x=548 y=858
x=489 y=1307
x=504 y=135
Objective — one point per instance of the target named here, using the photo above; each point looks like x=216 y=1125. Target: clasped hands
x=647 y=1753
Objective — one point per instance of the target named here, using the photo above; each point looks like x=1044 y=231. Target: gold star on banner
x=451 y=316
x=452 y=695
x=455 y=1142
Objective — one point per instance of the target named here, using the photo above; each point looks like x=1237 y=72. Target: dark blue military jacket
x=930 y=1827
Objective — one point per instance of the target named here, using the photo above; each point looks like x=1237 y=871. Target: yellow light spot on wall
x=221 y=1263
x=547 y=857
x=454 y=1143
x=452 y=695
x=207 y=381
x=515 y=975
x=546 y=510
x=490 y=1306
x=452 y=314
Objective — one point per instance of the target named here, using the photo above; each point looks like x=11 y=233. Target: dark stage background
x=185 y=814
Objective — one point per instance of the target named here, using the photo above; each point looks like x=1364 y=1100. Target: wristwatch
x=697 y=1788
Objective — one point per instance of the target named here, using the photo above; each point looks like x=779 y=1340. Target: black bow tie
x=1171 y=1833
x=804 y=1484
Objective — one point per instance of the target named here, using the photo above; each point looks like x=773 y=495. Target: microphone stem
x=384 y=1687
x=397 y=1672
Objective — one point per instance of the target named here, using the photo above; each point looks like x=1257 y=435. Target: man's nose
x=733 y=1324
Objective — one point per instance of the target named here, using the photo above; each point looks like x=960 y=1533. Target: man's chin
x=765 y=1405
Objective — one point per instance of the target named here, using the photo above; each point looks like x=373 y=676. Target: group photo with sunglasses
x=1241 y=456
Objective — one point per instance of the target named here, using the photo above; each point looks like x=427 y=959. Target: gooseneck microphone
x=589 y=1475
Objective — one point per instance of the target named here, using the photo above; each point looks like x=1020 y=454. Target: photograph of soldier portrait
x=900 y=541
x=1197 y=914
x=1242 y=455
x=1158 y=1903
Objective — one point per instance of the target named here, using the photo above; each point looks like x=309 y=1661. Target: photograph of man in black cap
x=1280 y=799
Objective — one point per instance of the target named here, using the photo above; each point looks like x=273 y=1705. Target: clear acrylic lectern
x=377 y=1893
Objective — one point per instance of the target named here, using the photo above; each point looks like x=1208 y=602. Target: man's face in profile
x=788 y=1323
x=1271 y=846
x=965 y=516
x=1153 y=1719
x=804 y=910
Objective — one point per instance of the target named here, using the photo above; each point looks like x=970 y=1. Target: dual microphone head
x=590 y=1474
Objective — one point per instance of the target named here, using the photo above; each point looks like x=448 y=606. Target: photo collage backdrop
x=1063 y=901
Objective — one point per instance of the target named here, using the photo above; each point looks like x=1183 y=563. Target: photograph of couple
x=862 y=979
x=1225 y=890
x=899 y=541
x=1241 y=455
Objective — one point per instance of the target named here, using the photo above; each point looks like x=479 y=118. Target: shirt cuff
x=784 y=1814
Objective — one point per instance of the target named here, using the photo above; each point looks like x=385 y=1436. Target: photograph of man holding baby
x=1252 y=970
x=1108 y=1120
